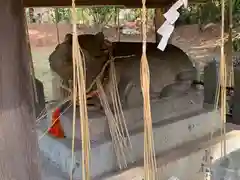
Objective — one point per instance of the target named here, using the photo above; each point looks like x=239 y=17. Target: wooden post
x=118 y=25
x=57 y=19
x=228 y=46
x=158 y=21
x=18 y=140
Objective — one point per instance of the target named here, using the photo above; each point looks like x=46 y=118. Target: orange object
x=56 y=129
x=92 y=94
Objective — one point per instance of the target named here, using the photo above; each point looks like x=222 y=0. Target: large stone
x=190 y=75
x=236 y=97
x=40 y=97
x=210 y=82
x=164 y=66
x=175 y=89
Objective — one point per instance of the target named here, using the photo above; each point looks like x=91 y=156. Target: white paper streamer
x=185 y=2
x=167 y=27
x=173 y=178
x=165 y=30
x=177 y=5
x=163 y=43
x=172 y=16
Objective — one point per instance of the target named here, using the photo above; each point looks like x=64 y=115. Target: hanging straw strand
x=223 y=83
x=220 y=95
x=116 y=120
x=74 y=111
x=113 y=127
x=80 y=89
x=150 y=166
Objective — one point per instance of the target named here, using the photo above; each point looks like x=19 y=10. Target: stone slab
x=168 y=134
x=184 y=162
x=50 y=171
x=162 y=109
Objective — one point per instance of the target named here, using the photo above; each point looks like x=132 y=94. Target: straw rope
x=100 y=74
x=90 y=92
x=79 y=91
x=150 y=167
x=223 y=82
x=117 y=125
x=221 y=91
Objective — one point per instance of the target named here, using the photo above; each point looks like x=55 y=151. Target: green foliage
x=209 y=12
x=101 y=15
x=200 y=13
x=236 y=45
x=62 y=14
x=132 y=15
x=189 y=15
x=236 y=12
x=136 y=13
x=81 y=14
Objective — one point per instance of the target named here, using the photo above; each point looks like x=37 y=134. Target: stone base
x=168 y=134
x=162 y=110
x=190 y=161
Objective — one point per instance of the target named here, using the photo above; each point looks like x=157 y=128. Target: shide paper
x=171 y=16
x=165 y=31
x=173 y=178
x=167 y=28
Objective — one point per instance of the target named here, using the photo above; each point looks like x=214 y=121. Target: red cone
x=56 y=129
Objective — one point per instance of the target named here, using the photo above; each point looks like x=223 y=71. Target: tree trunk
x=31 y=15
x=18 y=141
x=228 y=45
x=118 y=25
x=158 y=21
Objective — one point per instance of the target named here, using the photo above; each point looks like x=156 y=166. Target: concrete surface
x=227 y=167
x=173 y=132
x=50 y=171
x=164 y=109
x=190 y=161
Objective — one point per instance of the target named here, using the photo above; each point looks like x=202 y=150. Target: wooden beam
x=18 y=142
x=127 y=3
x=118 y=25
x=133 y=4
x=158 y=21
x=228 y=45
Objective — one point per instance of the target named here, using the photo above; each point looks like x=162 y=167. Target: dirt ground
x=200 y=46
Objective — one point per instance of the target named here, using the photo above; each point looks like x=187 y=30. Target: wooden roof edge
x=123 y=3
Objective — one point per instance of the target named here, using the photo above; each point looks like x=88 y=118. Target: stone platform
x=189 y=161
x=176 y=120
x=163 y=110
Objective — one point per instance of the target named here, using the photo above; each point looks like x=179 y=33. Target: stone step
x=49 y=171
x=162 y=110
x=190 y=161
x=168 y=134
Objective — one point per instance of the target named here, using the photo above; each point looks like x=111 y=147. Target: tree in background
x=102 y=15
x=210 y=12
x=32 y=19
x=61 y=14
